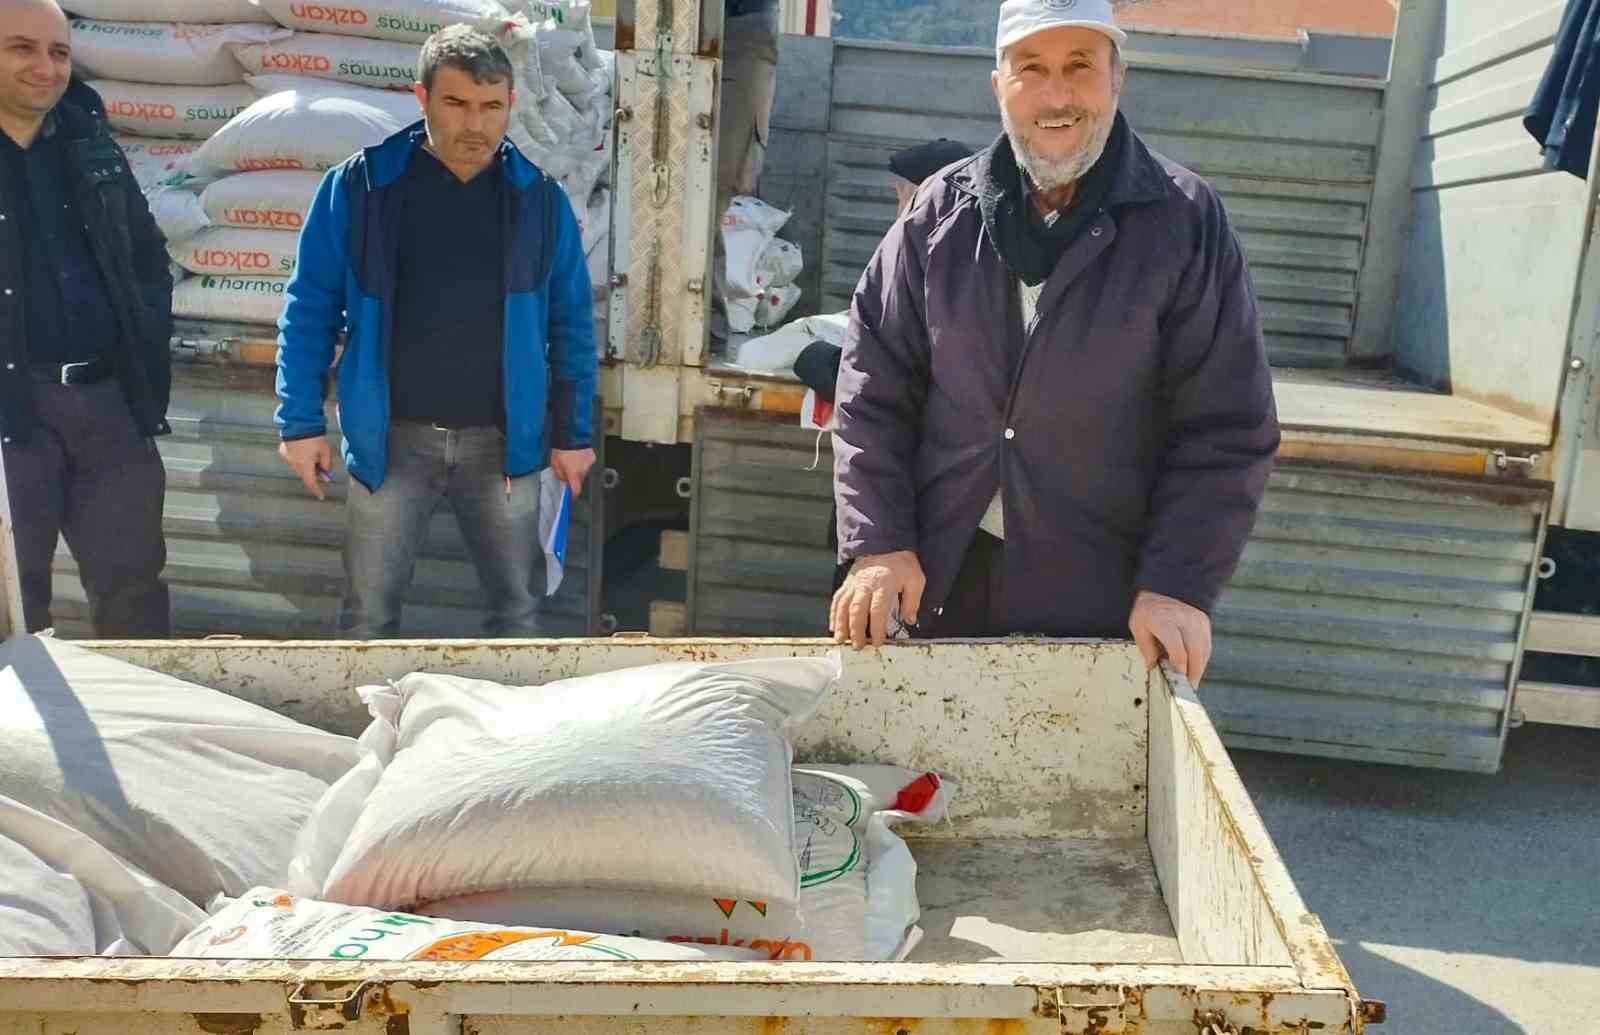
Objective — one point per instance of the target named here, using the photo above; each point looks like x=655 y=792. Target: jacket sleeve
x=574 y=361
x=153 y=270
x=313 y=312
x=1222 y=423
x=883 y=384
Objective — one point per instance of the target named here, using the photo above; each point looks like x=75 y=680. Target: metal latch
x=1084 y=1011
x=1502 y=462
x=740 y=395
x=330 y=1012
x=203 y=348
x=1214 y=1022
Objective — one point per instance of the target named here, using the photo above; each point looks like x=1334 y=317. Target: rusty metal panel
x=1377 y=617
x=250 y=553
x=1298 y=198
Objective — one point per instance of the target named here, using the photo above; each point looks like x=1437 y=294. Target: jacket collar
x=388 y=161
x=1139 y=178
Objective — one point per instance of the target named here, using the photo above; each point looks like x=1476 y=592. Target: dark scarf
x=1028 y=244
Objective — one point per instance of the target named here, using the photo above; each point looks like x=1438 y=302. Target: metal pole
x=1383 y=257
x=11 y=622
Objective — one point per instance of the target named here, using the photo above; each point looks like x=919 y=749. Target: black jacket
x=133 y=258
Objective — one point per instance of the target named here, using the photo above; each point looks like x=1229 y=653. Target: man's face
x=466 y=119
x=35 y=57
x=1058 y=92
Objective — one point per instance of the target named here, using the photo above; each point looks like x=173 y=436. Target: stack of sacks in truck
x=307 y=86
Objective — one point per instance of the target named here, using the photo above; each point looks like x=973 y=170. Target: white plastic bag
x=309 y=127
x=202 y=791
x=237 y=252
x=778 y=351
x=177 y=212
x=748 y=227
x=406 y=20
x=267 y=923
x=164 y=52
x=156 y=110
x=857 y=887
x=383 y=64
x=277 y=199
x=780 y=264
x=206 y=11
x=775 y=304
x=155 y=161
x=686 y=764
x=253 y=300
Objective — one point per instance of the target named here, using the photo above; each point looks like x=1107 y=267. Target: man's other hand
x=572 y=466
x=875 y=585
x=1162 y=626
x=311 y=459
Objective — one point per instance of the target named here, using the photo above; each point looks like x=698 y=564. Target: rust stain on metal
x=1373 y=1011
x=228 y=1023
x=772 y=1025
x=1006 y=1027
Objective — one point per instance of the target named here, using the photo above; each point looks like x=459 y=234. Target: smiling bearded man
x=1054 y=409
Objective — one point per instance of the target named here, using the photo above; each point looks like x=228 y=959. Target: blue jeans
x=384 y=530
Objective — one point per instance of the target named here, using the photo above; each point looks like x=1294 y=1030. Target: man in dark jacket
x=1055 y=414
x=85 y=325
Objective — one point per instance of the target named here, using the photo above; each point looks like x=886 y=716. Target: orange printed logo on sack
x=476 y=945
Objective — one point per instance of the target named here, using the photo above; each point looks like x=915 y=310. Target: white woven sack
x=274 y=200
x=858 y=896
x=267 y=923
x=313 y=125
x=211 y=12
x=163 y=52
x=668 y=778
x=202 y=791
x=63 y=894
x=177 y=213
x=252 y=300
x=158 y=110
x=237 y=252
x=382 y=64
x=405 y=20
x=780 y=264
x=154 y=161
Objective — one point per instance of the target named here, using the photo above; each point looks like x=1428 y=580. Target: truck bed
x=1061 y=900
x=1102 y=868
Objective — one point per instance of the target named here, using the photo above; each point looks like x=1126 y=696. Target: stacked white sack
x=761 y=267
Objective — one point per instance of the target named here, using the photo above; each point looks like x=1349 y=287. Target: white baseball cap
x=1020 y=19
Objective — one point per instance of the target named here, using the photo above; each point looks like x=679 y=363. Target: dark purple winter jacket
x=1131 y=447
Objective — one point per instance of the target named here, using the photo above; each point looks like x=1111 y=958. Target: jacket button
x=1011 y=433
x=1096 y=232
x=11 y=366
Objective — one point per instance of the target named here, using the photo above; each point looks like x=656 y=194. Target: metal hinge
x=1511 y=465
x=1084 y=1011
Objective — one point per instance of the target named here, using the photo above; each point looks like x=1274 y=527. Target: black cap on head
x=918 y=163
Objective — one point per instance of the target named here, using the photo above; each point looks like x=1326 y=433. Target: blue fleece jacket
x=344 y=280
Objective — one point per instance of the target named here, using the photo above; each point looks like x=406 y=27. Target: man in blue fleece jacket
x=455 y=270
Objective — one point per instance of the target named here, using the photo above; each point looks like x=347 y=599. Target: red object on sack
x=918 y=794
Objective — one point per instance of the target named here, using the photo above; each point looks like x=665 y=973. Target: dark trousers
x=86 y=473
x=385 y=530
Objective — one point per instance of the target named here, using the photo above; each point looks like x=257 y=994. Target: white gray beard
x=1055 y=173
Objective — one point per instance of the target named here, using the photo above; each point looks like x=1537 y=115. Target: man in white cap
x=1055 y=414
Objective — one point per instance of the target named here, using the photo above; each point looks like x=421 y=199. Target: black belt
x=88 y=372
